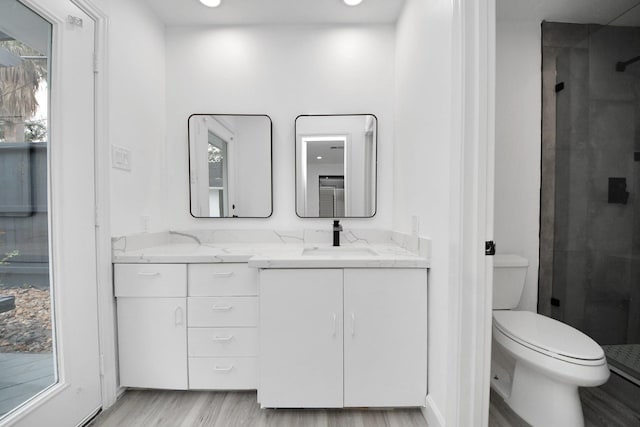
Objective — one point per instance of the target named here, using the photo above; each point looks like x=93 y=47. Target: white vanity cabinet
x=187 y=326
x=343 y=337
x=152 y=325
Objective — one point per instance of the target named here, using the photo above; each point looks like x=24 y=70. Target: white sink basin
x=339 y=251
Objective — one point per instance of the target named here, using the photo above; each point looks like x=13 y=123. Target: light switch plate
x=144 y=222
x=120 y=158
x=415 y=225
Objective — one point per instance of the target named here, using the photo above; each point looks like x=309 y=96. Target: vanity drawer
x=223 y=373
x=209 y=280
x=150 y=280
x=222 y=311
x=223 y=342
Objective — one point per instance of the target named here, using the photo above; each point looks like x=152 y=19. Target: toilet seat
x=549 y=337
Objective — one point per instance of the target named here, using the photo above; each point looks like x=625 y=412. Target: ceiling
x=613 y=12
x=255 y=12
x=324 y=149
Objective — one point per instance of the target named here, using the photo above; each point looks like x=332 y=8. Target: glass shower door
x=590 y=204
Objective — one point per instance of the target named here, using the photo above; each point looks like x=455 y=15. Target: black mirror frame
x=270 y=164
x=295 y=136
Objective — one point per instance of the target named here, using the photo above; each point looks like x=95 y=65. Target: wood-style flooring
x=239 y=409
x=600 y=409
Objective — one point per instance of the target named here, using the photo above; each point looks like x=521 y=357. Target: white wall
x=517 y=145
x=136 y=81
x=423 y=167
x=281 y=71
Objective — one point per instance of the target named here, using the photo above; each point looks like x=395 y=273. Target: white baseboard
x=121 y=391
x=432 y=414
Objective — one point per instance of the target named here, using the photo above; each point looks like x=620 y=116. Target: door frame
x=106 y=307
x=471 y=271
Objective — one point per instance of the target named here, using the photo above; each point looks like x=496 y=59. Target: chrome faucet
x=337 y=228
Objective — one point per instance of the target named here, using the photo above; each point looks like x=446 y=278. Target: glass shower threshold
x=624 y=360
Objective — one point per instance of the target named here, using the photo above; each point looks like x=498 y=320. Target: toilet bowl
x=538 y=363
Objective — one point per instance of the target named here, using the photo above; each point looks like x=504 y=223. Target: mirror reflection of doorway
x=326 y=157
x=331 y=196
x=218 y=176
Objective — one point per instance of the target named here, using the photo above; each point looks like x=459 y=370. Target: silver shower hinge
x=74 y=20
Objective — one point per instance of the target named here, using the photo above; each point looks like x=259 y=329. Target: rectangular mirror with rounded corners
x=230 y=172
x=336 y=166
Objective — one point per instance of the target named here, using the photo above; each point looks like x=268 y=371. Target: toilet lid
x=547 y=334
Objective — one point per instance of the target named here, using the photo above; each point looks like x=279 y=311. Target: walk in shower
x=590 y=190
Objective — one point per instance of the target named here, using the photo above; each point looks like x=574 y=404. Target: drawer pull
x=222 y=307
x=223 y=368
x=353 y=324
x=219 y=338
x=335 y=318
x=148 y=274
x=229 y=274
x=178 y=316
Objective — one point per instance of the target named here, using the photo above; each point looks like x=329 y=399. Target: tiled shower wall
x=590 y=248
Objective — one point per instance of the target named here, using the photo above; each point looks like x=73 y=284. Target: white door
x=75 y=394
x=385 y=337
x=300 y=339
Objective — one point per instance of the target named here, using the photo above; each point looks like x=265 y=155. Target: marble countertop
x=346 y=256
x=278 y=256
x=190 y=248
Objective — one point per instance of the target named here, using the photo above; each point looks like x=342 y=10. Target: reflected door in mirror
x=230 y=166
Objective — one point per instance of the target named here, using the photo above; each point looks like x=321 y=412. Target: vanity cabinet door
x=301 y=339
x=385 y=337
x=152 y=342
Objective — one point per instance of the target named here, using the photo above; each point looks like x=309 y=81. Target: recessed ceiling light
x=319 y=157
x=352 y=2
x=211 y=3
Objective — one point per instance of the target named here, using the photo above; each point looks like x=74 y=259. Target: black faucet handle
x=337 y=228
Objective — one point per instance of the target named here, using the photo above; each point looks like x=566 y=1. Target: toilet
x=538 y=363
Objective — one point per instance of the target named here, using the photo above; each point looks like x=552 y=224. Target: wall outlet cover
x=145 y=220
x=415 y=225
x=120 y=158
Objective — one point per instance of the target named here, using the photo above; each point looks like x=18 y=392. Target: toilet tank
x=509 y=272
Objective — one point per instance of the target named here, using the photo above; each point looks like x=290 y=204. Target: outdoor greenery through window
x=26 y=337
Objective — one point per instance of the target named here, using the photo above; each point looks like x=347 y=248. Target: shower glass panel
x=27 y=363
x=590 y=198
